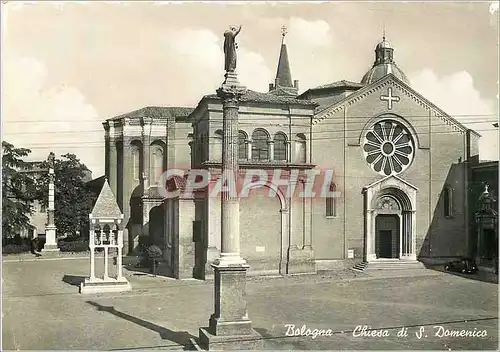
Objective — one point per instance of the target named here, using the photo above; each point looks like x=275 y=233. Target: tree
x=73 y=200
x=17 y=190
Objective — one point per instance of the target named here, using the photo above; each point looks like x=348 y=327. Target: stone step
x=388 y=265
x=360 y=266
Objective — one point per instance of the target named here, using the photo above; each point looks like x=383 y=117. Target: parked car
x=464 y=265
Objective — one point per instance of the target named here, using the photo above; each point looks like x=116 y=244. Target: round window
x=388 y=148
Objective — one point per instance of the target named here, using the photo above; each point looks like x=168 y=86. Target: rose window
x=388 y=148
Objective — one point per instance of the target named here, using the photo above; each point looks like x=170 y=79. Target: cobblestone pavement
x=43 y=310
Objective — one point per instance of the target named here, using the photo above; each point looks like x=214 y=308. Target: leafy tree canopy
x=17 y=189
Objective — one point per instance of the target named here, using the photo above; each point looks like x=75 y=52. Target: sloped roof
x=320 y=114
x=342 y=83
x=106 y=206
x=157 y=112
x=380 y=70
x=257 y=97
x=96 y=183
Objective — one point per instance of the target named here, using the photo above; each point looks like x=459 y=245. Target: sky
x=69 y=66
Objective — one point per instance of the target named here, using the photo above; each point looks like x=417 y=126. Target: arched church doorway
x=387 y=236
x=390 y=220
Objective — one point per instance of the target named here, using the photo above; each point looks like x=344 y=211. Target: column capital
x=229 y=98
x=231 y=90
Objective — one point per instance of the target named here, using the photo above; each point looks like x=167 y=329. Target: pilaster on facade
x=170 y=143
x=127 y=183
x=112 y=160
x=146 y=127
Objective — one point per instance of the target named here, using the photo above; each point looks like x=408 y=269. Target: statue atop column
x=230 y=47
x=51 y=160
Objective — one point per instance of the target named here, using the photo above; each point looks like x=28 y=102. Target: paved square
x=43 y=310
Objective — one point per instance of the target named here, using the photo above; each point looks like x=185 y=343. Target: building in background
x=402 y=167
x=483 y=207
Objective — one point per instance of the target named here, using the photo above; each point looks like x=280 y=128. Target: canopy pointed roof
x=106 y=206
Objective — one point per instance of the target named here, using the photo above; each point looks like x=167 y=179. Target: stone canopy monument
x=106 y=232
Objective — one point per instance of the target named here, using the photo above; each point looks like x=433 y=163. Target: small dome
x=384 y=44
x=380 y=70
x=384 y=64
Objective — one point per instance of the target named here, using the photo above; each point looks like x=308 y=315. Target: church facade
x=398 y=166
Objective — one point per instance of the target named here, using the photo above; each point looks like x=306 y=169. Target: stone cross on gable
x=389 y=98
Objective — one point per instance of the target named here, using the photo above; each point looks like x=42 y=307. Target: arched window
x=216 y=146
x=136 y=161
x=331 y=202
x=260 y=146
x=301 y=148
x=280 y=146
x=157 y=158
x=242 y=145
x=448 y=201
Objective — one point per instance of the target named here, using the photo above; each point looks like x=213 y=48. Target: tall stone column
x=50 y=228
x=229 y=325
x=230 y=207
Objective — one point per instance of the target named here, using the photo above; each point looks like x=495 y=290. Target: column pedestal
x=229 y=327
x=50 y=239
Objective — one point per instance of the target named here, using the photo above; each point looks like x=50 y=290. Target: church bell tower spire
x=283 y=84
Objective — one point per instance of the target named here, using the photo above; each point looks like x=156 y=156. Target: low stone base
x=103 y=286
x=210 y=342
x=50 y=248
x=301 y=261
